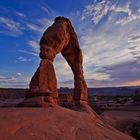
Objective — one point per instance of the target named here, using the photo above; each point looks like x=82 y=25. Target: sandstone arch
x=59 y=37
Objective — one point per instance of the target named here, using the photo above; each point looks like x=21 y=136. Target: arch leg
x=73 y=56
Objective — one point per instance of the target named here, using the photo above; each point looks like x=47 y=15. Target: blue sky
x=108 y=33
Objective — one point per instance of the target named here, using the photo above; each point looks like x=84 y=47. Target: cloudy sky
x=108 y=33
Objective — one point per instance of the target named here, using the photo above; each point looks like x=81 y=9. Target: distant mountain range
x=106 y=91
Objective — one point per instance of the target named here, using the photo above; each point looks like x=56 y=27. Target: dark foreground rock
x=126 y=121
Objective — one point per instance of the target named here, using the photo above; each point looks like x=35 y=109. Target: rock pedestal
x=43 y=82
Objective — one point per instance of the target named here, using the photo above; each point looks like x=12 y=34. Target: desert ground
x=115 y=118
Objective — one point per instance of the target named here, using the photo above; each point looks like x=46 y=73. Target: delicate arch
x=59 y=37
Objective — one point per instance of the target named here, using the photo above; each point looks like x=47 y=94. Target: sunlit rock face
x=59 y=37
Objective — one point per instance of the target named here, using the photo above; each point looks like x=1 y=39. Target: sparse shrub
x=136 y=97
x=135 y=131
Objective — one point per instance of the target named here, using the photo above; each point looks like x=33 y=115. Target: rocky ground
x=123 y=113
x=127 y=122
x=55 y=123
x=58 y=123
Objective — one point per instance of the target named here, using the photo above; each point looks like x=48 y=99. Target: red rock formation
x=60 y=37
x=44 y=79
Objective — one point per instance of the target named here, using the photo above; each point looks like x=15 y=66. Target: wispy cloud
x=39 y=26
x=33 y=27
x=98 y=10
x=10 y=27
x=63 y=70
x=45 y=9
x=135 y=38
x=28 y=52
x=134 y=83
x=34 y=46
x=48 y=11
x=20 y=14
x=105 y=49
x=18 y=81
x=128 y=19
x=24 y=59
x=111 y=45
x=3 y=78
x=19 y=74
